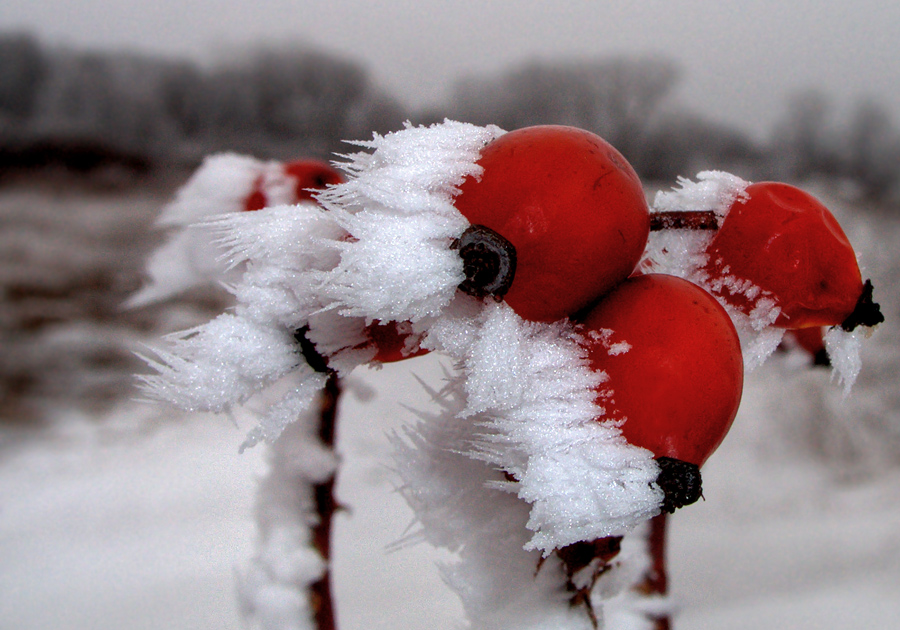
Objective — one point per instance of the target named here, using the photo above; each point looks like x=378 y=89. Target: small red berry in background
x=676 y=386
x=787 y=243
x=570 y=205
x=257 y=199
x=308 y=177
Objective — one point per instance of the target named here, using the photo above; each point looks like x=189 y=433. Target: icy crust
x=220 y=364
x=462 y=505
x=397 y=206
x=844 y=350
x=188 y=258
x=530 y=399
x=221 y=185
x=713 y=190
x=380 y=249
x=273 y=588
x=230 y=359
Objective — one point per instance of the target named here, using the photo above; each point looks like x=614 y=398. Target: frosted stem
x=656 y=580
x=320 y=591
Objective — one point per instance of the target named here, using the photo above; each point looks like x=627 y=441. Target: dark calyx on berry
x=867 y=311
x=680 y=481
x=308 y=349
x=489 y=262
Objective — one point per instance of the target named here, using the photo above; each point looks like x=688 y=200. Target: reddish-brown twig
x=320 y=591
x=683 y=220
x=656 y=581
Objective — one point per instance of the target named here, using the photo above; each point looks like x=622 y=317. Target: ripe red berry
x=257 y=199
x=307 y=177
x=676 y=385
x=571 y=206
x=310 y=176
x=788 y=244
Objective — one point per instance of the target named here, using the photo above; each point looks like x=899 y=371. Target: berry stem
x=683 y=220
x=320 y=595
x=320 y=591
x=656 y=579
x=598 y=555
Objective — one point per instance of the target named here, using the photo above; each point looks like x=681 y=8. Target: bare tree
x=804 y=139
x=873 y=151
x=22 y=67
x=682 y=143
x=615 y=98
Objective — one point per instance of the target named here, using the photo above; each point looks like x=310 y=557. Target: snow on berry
x=530 y=399
x=713 y=190
x=224 y=184
x=789 y=243
x=398 y=209
x=381 y=250
x=683 y=253
x=523 y=460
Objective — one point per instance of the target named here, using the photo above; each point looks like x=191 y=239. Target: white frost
x=398 y=208
x=713 y=190
x=843 y=350
x=682 y=253
x=188 y=258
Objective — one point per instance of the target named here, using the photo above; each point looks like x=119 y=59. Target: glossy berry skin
x=308 y=176
x=572 y=207
x=786 y=242
x=678 y=387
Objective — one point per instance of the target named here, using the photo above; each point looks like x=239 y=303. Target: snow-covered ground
x=139 y=517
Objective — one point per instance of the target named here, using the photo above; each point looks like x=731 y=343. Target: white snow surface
x=140 y=519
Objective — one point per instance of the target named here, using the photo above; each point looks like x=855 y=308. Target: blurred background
x=107 y=108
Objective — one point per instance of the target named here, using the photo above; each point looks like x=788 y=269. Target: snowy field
x=130 y=516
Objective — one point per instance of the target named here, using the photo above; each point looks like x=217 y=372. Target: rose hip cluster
x=559 y=224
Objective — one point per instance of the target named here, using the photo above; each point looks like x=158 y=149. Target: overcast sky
x=740 y=59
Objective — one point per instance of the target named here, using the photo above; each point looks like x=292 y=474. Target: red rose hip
x=307 y=176
x=674 y=363
x=572 y=208
x=788 y=244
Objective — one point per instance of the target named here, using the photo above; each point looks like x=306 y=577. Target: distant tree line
x=83 y=107
x=625 y=100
